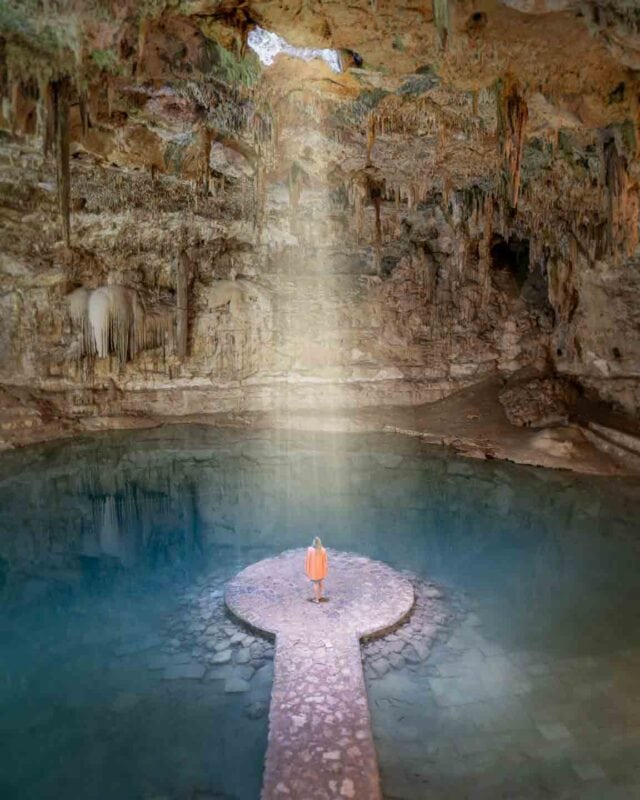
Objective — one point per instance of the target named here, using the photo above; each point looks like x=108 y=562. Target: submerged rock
x=245 y=672
x=184 y=671
x=223 y=657
x=243 y=656
x=236 y=685
x=256 y=710
x=138 y=645
x=380 y=666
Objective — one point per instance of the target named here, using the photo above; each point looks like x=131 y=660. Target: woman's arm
x=307 y=563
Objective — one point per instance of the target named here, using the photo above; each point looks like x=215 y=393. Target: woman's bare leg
x=320 y=590
x=316 y=591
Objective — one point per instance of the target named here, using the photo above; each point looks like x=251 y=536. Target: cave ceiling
x=510 y=120
x=154 y=72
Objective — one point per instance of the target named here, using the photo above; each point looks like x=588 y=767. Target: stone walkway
x=320 y=741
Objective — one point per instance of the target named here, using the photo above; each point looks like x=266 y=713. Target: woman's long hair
x=317 y=543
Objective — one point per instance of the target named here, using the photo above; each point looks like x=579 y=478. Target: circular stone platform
x=365 y=597
x=320 y=742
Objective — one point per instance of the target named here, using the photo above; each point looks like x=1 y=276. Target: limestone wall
x=296 y=237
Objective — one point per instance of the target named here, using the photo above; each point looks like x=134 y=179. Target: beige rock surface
x=458 y=203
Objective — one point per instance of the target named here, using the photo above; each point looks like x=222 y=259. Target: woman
x=316 y=567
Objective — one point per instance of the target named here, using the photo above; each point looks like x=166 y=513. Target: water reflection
x=100 y=538
x=540 y=547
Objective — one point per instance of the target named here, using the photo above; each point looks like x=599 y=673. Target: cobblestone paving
x=320 y=741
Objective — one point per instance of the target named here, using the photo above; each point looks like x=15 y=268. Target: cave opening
x=268 y=45
x=511 y=256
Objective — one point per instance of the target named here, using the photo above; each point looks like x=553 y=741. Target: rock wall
x=304 y=301
x=297 y=238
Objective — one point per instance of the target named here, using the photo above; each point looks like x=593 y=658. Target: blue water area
x=114 y=550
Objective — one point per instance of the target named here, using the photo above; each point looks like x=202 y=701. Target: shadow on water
x=103 y=537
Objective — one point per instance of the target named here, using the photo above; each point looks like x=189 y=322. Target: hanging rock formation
x=459 y=202
x=110 y=320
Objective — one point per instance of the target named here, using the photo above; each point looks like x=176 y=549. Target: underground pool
x=122 y=676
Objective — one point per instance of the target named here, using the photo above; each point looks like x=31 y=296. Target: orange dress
x=316 y=565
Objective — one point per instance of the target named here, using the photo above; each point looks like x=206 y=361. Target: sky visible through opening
x=268 y=45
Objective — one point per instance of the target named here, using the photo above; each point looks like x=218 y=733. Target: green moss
x=21 y=23
x=628 y=136
x=297 y=172
x=105 y=60
x=537 y=158
x=154 y=8
x=355 y=113
x=583 y=161
x=220 y=64
x=14 y=20
x=175 y=153
x=36 y=47
x=416 y=85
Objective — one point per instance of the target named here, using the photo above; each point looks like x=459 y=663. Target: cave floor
x=470 y=421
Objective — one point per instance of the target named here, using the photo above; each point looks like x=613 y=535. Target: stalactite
x=376 y=199
x=615 y=169
x=83 y=108
x=143 y=32
x=78 y=302
x=111 y=320
x=159 y=330
x=110 y=94
x=371 y=135
x=204 y=170
x=512 y=115
x=14 y=101
x=394 y=114
x=296 y=180
x=358 y=194
x=183 y=268
x=259 y=196
x=4 y=78
x=484 y=251
x=293 y=184
x=98 y=322
x=60 y=100
x=441 y=20
x=44 y=115
x=622 y=200
x=368 y=186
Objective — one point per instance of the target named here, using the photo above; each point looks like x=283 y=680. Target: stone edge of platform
x=366 y=635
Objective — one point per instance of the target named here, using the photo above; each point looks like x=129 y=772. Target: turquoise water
x=114 y=550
